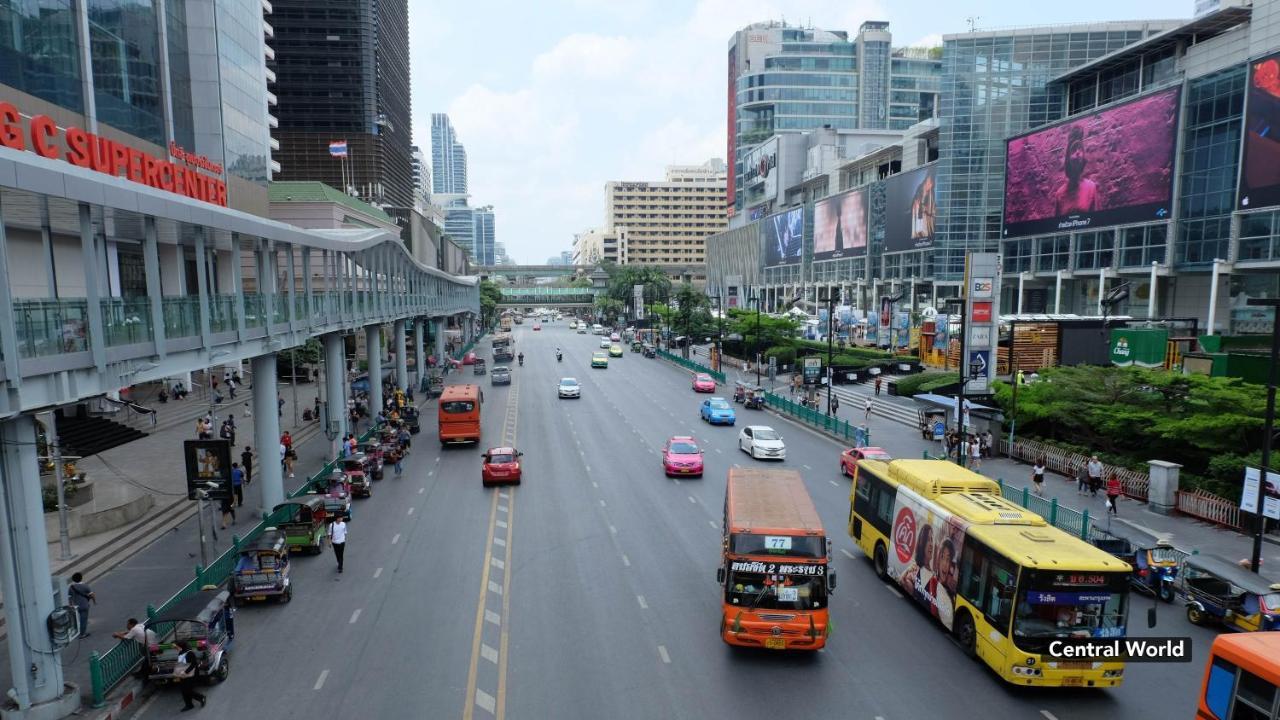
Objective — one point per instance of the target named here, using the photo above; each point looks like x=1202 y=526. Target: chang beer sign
x=1141 y=347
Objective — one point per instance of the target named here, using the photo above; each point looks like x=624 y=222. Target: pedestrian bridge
x=549 y=296
x=532 y=271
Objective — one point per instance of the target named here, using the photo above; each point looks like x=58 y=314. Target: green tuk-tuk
x=305 y=522
x=636 y=346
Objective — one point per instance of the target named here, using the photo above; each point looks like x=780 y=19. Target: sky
x=554 y=98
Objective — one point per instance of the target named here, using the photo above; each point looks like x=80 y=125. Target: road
x=590 y=590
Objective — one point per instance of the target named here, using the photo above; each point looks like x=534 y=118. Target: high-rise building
x=785 y=79
x=666 y=222
x=421 y=177
x=485 y=250
x=203 y=100
x=459 y=223
x=996 y=85
x=448 y=158
x=342 y=74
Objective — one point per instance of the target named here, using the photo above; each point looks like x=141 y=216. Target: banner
x=910 y=210
x=840 y=226
x=784 y=237
x=208 y=468
x=1249 y=496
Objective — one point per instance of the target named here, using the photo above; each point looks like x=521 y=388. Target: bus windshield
x=810 y=546
x=776 y=592
x=458 y=406
x=1047 y=610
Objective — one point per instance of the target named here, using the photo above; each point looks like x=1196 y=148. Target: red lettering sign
x=88 y=150
x=981 y=312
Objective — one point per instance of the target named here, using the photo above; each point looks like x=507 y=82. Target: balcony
x=51 y=327
x=126 y=321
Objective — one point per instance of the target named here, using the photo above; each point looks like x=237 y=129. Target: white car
x=761 y=442
x=605 y=343
x=568 y=388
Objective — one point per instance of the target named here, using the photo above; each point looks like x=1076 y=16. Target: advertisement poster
x=885 y=320
x=910 y=210
x=981 y=312
x=733 y=291
x=784 y=237
x=902 y=323
x=840 y=226
x=1106 y=168
x=1249 y=496
x=1260 y=168
x=925 y=560
x=208 y=461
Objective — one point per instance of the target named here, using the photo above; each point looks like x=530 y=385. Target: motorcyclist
x=521 y=358
x=559 y=355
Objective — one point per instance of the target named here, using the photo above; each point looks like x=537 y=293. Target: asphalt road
x=590 y=590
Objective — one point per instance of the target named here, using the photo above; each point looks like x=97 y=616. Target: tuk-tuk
x=933 y=423
x=739 y=392
x=649 y=351
x=754 y=399
x=355 y=472
x=305 y=524
x=335 y=492
x=435 y=384
x=636 y=346
x=409 y=416
x=372 y=452
x=478 y=367
x=205 y=621
x=1154 y=559
x=262 y=570
x=1217 y=590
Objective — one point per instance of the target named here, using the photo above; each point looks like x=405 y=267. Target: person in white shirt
x=338 y=536
x=137 y=633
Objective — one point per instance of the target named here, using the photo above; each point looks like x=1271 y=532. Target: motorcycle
x=559 y=357
x=521 y=359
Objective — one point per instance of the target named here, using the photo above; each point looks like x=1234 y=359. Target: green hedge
x=923 y=382
x=811 y=347
x=785 y=355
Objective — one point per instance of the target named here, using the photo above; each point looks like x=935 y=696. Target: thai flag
x=338 y=148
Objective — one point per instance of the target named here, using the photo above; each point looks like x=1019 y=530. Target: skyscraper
x=786 y=79
x=342 y=73
x=421 y=177
x=460 y=224
x=448 y=158
x=485 y=250
x=666 y=221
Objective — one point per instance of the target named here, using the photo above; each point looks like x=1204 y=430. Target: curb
x=120 y=704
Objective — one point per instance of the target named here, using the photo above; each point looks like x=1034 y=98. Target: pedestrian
x=80 y=595
x=878 y=381
x=185 y=671
x=404 y=438
x=231 y=388
x=399 y=464
x=988 y=441
x=227 y=432
x=316 y=407
x=200 y=434
x=338 y=537
x=237 y=483
x=290 y=457
x=287 y=440
x=1114 y=490
x=1082 y=478
x=246 y=462
x=975 y=454
x=1037 y=476
x=228 y=508
x=1095 y=475
x=136 y=632
x=280 y=405
x=868 y=408
x=835 y=404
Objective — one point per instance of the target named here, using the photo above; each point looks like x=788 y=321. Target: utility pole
x=1268 y=431
x=831 y=301
x=293 y=380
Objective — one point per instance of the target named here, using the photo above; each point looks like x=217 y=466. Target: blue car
x=718 y=411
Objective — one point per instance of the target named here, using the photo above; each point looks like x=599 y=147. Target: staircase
x=84 y=435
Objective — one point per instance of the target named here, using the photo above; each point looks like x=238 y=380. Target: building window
x=1018 y=254
x=1094 y=249
x=1260 y=236
x=39 y=53
x=124 y=45
x=1210 y=155
x=1053 y=253
x=1141 y=246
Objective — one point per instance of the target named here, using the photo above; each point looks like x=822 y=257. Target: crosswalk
x=853 y=399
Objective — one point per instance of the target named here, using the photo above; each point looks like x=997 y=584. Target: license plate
x=257 y=597
x=1075 y=665
x=775 y=644
x=1073 y=682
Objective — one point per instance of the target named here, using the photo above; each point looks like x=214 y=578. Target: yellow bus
x=1004 y=582
x=1242 y=678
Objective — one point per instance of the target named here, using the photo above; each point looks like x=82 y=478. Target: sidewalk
x=904 y=441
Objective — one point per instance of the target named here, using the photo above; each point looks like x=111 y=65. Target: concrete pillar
x=1151 y=295
x=437 y=336
x=373 y=348
x=402 y=355
x=419 y=328
x=1213 y=295
x=35 y=665
x=1021 y=277
x=1057 y=293
x=266 y=430
x=335 y=386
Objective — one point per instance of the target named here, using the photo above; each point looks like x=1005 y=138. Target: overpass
x=548 y=296
x=533 y=271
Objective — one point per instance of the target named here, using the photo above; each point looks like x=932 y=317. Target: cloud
x=928 y=41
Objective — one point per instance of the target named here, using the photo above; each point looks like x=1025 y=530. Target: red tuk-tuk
x=355 y=473
x=372 y=452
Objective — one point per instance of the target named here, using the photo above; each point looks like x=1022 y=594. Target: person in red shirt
x=1114 y=488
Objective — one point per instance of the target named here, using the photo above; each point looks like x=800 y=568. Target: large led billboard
x=910 y=210
x=1260 y=166
x=1110 y=167
x=840 y=226
x=784 y=237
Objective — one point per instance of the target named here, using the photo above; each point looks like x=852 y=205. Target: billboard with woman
x=840 y=226
x=784 y=237
x=910 y=210
x=1260 y=167
x=926 y=555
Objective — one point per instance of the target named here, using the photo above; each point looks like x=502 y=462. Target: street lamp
x=720 y=333
x=1268 y=430
x=755 y=341
x=831 y=297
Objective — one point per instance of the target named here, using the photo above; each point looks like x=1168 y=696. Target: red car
x=501 y=465
x=537 y=327
x=469 y=359
x=849 y=458
x=682 y=456
x=703 y=382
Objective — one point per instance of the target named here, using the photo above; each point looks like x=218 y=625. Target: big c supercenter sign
x=82 y=148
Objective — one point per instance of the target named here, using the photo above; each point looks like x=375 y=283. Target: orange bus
x=775 y=569
x=1242 y=678
x=460 y=414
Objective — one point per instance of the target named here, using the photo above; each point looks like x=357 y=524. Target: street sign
x=982 y=288
x=978 y=361
x=812 y=368
x=981 y=312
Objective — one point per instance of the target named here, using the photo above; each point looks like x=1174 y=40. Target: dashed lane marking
x=806 y=467
x=502 y=508
x=495 y=588
x=354 y=617
x=395 y=539
x=411 y=511
x=626 y=560
x=485 y=701
x=833 y=482
x=492 y=617
x=893 y=589
x=613 y=530
x=1048 y=715
x=643 y=605
x=489 y=653
x=675 y=480
x=847 y=554
x=595 y=484
x=499 y=542
x=662 y=652
x=324 y=674
x=498 y=563
x=603 y=504
x=714 y=524
x=421 y=490
x=693 y=500
x=501 y=523
x=377 y=573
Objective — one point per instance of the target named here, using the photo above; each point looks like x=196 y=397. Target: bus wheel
x=965 y=634
x=881 y=562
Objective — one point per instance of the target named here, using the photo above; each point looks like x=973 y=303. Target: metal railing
x=108 y=669
x=51 y=327
x=691 y=365
x=1207 y=506
x=181 y=316
x=1135 y=483
x=858 y=435
x=1076 y=522
x=126 y=321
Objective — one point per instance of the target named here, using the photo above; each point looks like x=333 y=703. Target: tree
x=623 y=278
x=609 y=307
x=490 y=296
x=773 y=329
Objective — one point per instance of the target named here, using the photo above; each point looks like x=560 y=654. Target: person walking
x=1095 y=475
x=338 y=537
x=227 y=506
x=404 y=438
x=399 y=464
x=290 y=457
x=246 y=462
x=1037 y=476
x=237 y=483
x=868 y=407
x=835 y=404
x=81 y=596
x=878 y=381
x=1082 y=478
x=185 y=671
x=988 y=443
x=1114 y=490
x=280 y=405
x=227 y=432
x=316 y=407
x=975 y=454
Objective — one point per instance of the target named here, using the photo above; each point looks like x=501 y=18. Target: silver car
x=568 y=388
x=500 y=375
